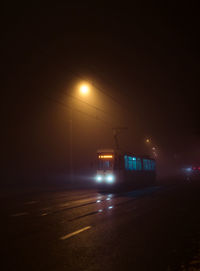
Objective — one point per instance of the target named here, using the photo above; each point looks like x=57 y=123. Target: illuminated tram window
x=130 y=162
x=152 y=165
x=139 y=164
x=148 y=164
x=105 y=165
x=126 y=161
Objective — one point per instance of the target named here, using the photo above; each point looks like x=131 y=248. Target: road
x=156 y=228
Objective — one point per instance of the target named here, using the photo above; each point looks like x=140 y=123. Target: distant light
x=134 y=158
x=110 y=207
x=108 y=199
x=100 y=210
x=84 y=89
x=147 y=140
x=98 y=201
x=105 y=156
x=188 y=169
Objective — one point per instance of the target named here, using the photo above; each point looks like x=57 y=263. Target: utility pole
x=71 y=146
x=116 y=132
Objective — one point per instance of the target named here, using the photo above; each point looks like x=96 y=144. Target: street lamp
x=84 y=89
x=154 y=148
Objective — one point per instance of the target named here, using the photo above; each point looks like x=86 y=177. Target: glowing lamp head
x=84 y=89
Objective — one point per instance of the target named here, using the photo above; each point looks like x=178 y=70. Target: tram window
x=146 y=164
x=133 y=159
x=105 y=164
x=139 y=164
x=152 y=165
x=130 y=162
x=149 y=164
x=126 y=161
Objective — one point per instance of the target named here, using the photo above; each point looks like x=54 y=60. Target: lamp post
x=71 y=146
x=84 y=90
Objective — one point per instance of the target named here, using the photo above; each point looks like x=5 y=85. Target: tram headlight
x=110 y=179
x=99 y=178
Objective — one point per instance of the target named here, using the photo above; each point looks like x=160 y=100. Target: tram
x=116 y=168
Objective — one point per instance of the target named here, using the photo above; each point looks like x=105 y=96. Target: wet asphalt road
x=155 y=228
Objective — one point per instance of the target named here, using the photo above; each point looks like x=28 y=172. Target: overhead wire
x=78 y=110
x=93 y=106
x=105 y=79
x=98 y=88
x=75 y=74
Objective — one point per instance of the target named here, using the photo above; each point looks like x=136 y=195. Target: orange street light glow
x=84 y=89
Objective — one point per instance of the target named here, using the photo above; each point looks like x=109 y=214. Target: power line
x=98 y=88
x=109 y=95
x=82 y=112
x=93 y=106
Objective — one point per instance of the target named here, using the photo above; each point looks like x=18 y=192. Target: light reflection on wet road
x=86 y=205
x=118 y=224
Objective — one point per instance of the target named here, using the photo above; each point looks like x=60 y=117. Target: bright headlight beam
x=99 y=178
x=110 y=178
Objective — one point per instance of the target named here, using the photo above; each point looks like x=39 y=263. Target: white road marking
x=19 y=214
x=74 y=233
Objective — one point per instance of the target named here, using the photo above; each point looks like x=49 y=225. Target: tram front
x=105 y=167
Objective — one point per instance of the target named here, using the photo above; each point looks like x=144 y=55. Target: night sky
x=142 y=62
